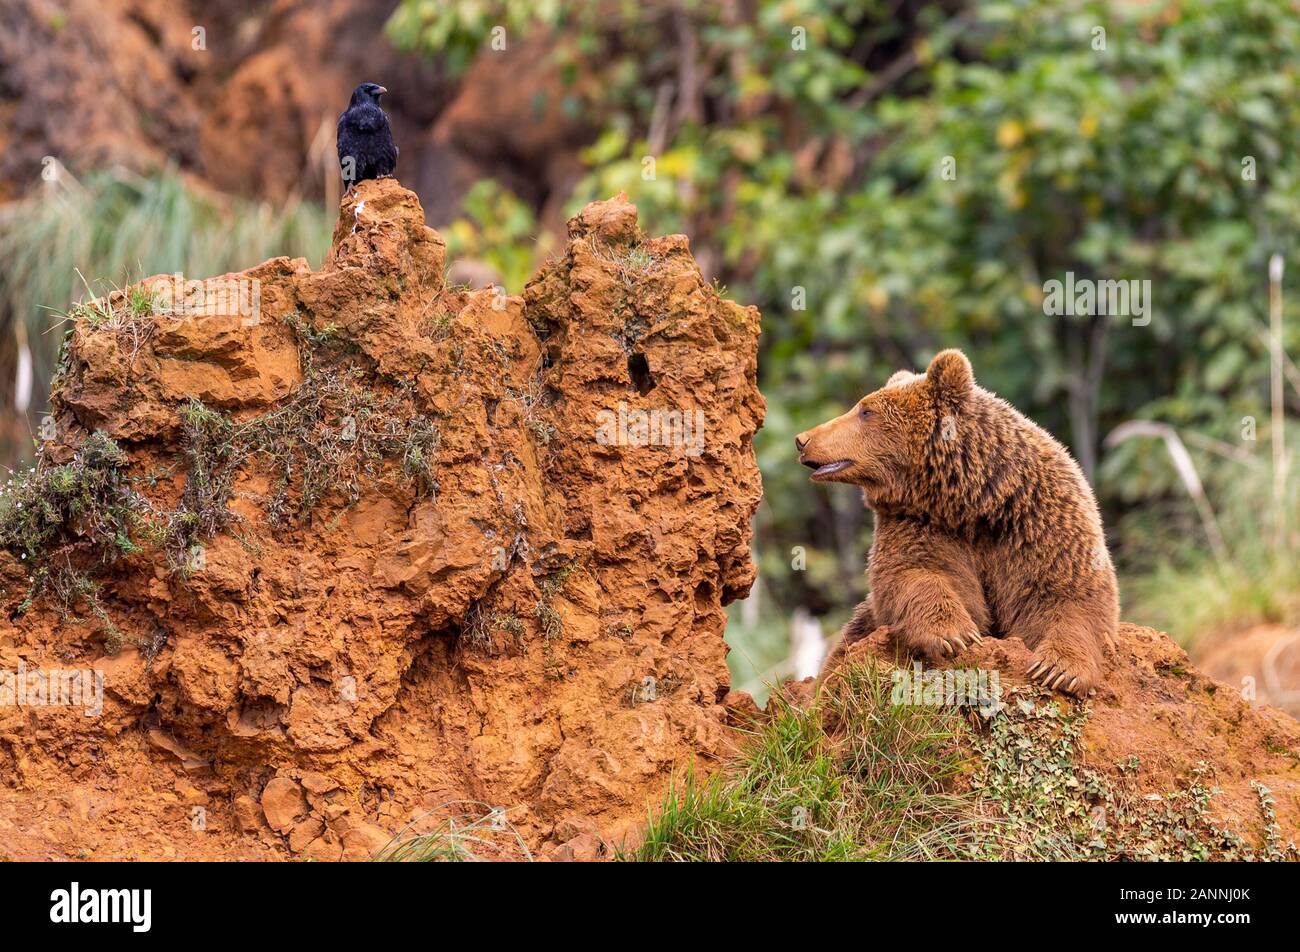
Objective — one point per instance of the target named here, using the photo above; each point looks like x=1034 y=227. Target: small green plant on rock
x=62 y=519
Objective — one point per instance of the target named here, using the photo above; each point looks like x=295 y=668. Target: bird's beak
x=381 y=90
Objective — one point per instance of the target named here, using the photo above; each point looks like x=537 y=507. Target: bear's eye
x=865 y=413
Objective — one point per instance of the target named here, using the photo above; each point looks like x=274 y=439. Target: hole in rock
x=638 y=371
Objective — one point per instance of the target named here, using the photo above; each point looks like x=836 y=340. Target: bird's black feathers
x=366 y=147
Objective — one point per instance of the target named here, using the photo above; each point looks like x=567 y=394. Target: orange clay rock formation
x=382 y=550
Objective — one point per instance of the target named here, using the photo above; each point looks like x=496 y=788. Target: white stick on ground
x=1278 y=430
x=1186 y=470
x=807 y=644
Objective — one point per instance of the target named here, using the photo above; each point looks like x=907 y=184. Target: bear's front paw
x=1061 y=671
x=937 y=644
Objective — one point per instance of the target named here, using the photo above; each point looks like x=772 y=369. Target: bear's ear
x=901 y=377
x=950 y=376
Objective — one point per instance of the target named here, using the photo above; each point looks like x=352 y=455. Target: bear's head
x=883 y=441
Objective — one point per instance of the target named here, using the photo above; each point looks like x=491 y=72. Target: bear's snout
x=801 y=444
x=824 y=458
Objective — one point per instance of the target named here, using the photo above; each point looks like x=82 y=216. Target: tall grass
x=1190 y=593
x=852 y=777
x=119 y=227
x=460 y=831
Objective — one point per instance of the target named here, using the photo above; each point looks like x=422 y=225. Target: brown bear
x=985 y=525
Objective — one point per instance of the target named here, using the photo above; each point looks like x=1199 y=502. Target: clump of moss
x=550 y=620
x=510 y=623
x=126 y=313
x=551 y=584
x=87 y=500
x=480 y=626
x=59 y=519
x=543 y=431
x=212 y=452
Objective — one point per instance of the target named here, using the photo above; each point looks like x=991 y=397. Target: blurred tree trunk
x=1086 y=353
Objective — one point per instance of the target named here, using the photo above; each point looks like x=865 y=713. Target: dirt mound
x=378 y=550
x=1263 y=662
x=1158 y=725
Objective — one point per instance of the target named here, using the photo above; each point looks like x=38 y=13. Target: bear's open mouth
x=826 y=469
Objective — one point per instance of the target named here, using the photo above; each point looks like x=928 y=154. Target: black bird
x=366 y=147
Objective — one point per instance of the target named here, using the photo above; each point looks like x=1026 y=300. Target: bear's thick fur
x=985 y=525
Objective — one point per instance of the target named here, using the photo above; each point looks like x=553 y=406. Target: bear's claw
x=1056 y=677
x=951 y=645
x=936 y=647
